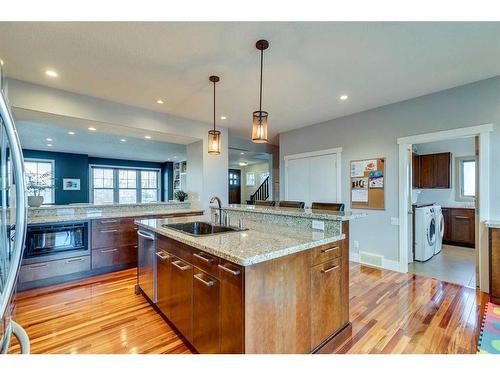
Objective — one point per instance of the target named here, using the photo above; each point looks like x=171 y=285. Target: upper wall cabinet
x=432 y=171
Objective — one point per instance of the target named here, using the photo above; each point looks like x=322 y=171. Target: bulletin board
x=367 y=180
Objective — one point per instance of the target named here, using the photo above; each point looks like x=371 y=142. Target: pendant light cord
x=261 y=64
x=214 y=106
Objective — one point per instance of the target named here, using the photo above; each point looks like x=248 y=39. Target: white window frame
x=248 y=174
x=459 y=191
x=116 y=188
x=53 y=162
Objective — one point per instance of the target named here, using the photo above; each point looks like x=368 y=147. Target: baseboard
x=387 y=264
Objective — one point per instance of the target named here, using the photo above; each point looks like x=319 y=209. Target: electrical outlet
x=319 y=225
x=356 y=244
x=394 y=220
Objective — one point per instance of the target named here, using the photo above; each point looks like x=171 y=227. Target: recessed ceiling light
x=48 y=139
x=71 y=133
x=123 y=140
x=242 y=164
x=147 y=136
x=175 y=157
x=159 y=101
x=92 y=129
x=51 y=73
x=242 y=153
x=223 y=117
x=344 y=97
x=49 y=144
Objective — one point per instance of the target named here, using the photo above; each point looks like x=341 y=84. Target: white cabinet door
x=322 y=179
x=297 y=181
x=312 y=179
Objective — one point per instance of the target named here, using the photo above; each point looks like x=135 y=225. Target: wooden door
x=164 y=281
x=234 y=186
x=181 y=311
x=326 y=300
x=442 y=170
x=206 y=316
x=426 y=171
x=232 y=308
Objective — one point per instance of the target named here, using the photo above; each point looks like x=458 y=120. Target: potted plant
x=180 y=195
x=36 y=185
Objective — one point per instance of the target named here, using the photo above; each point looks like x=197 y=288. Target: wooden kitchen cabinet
x=459 y=224
x=164 y=282
x=494 y=265
x=432 y=171
x=206 y=313
x=326 y=297
x=181 y=311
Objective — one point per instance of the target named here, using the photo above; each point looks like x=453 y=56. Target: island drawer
x=206 y=262
x=114 y=256
x=326 y=252
x=44 y=270
x=175 y=248
x=113 y=232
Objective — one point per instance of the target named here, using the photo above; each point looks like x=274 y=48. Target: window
x=466 y=172
x=263 y=176
x=41 y=172
x=234 y=179
x=250 y=179
x=124 y=185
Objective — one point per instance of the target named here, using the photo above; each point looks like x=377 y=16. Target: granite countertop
x=492 y=223
x=261 y=242
x=297 y=212
x=54 y=214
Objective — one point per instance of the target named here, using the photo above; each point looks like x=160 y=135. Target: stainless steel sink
x=202 y=228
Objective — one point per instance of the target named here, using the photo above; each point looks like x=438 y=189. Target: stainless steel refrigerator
x=13 y=220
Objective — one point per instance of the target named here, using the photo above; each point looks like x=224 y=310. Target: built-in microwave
x=50 y=239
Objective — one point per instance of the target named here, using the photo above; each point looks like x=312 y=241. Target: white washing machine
x=438 y=214
x=425 y=233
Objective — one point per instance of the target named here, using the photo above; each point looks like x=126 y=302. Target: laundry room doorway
x=441 y=235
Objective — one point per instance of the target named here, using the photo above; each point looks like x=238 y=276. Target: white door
x=312 y=179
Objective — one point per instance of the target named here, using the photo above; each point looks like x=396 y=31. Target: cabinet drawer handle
x=462 y=217
x=109 y=231
x=324 y=251
x=74 y=260
x=162 y=255
x=34 y=267
x=109 y=250
x=329 y=269
x=207 y=283
x=109 y=221
x=233 y=272
x=178 y=263
x=205 y=259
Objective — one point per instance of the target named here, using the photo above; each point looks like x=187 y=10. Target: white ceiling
x=307 y=66
x=34 y=128
x=237 y=156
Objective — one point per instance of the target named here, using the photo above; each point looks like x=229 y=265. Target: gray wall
x=374 y=133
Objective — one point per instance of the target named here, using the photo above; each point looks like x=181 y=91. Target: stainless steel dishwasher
x=146 y=264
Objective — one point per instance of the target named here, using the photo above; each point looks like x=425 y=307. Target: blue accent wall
x=68 y=165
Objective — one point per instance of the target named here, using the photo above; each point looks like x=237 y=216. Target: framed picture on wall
x=71 y=184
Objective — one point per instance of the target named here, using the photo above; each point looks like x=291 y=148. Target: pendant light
x=259 y=124
x=214 y=135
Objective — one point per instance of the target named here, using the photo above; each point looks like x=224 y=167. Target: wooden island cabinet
x=296 y=303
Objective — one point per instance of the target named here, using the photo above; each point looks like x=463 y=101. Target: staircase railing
x=262 y=193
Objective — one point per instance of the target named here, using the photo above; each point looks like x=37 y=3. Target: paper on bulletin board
x=359 y=195
x=376 y=180
x=358 y=168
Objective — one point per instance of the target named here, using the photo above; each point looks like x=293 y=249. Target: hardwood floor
x=390 y=312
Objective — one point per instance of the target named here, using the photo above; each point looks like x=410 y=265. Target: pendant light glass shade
x=214 y=135
x=214 y=142
x=259 y=127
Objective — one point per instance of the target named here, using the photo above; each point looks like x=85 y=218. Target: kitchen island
x=278 y=286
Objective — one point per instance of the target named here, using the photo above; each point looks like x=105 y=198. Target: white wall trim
x=388 y=264
x=405 y=144
x=446 y=134
x=338 y=153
